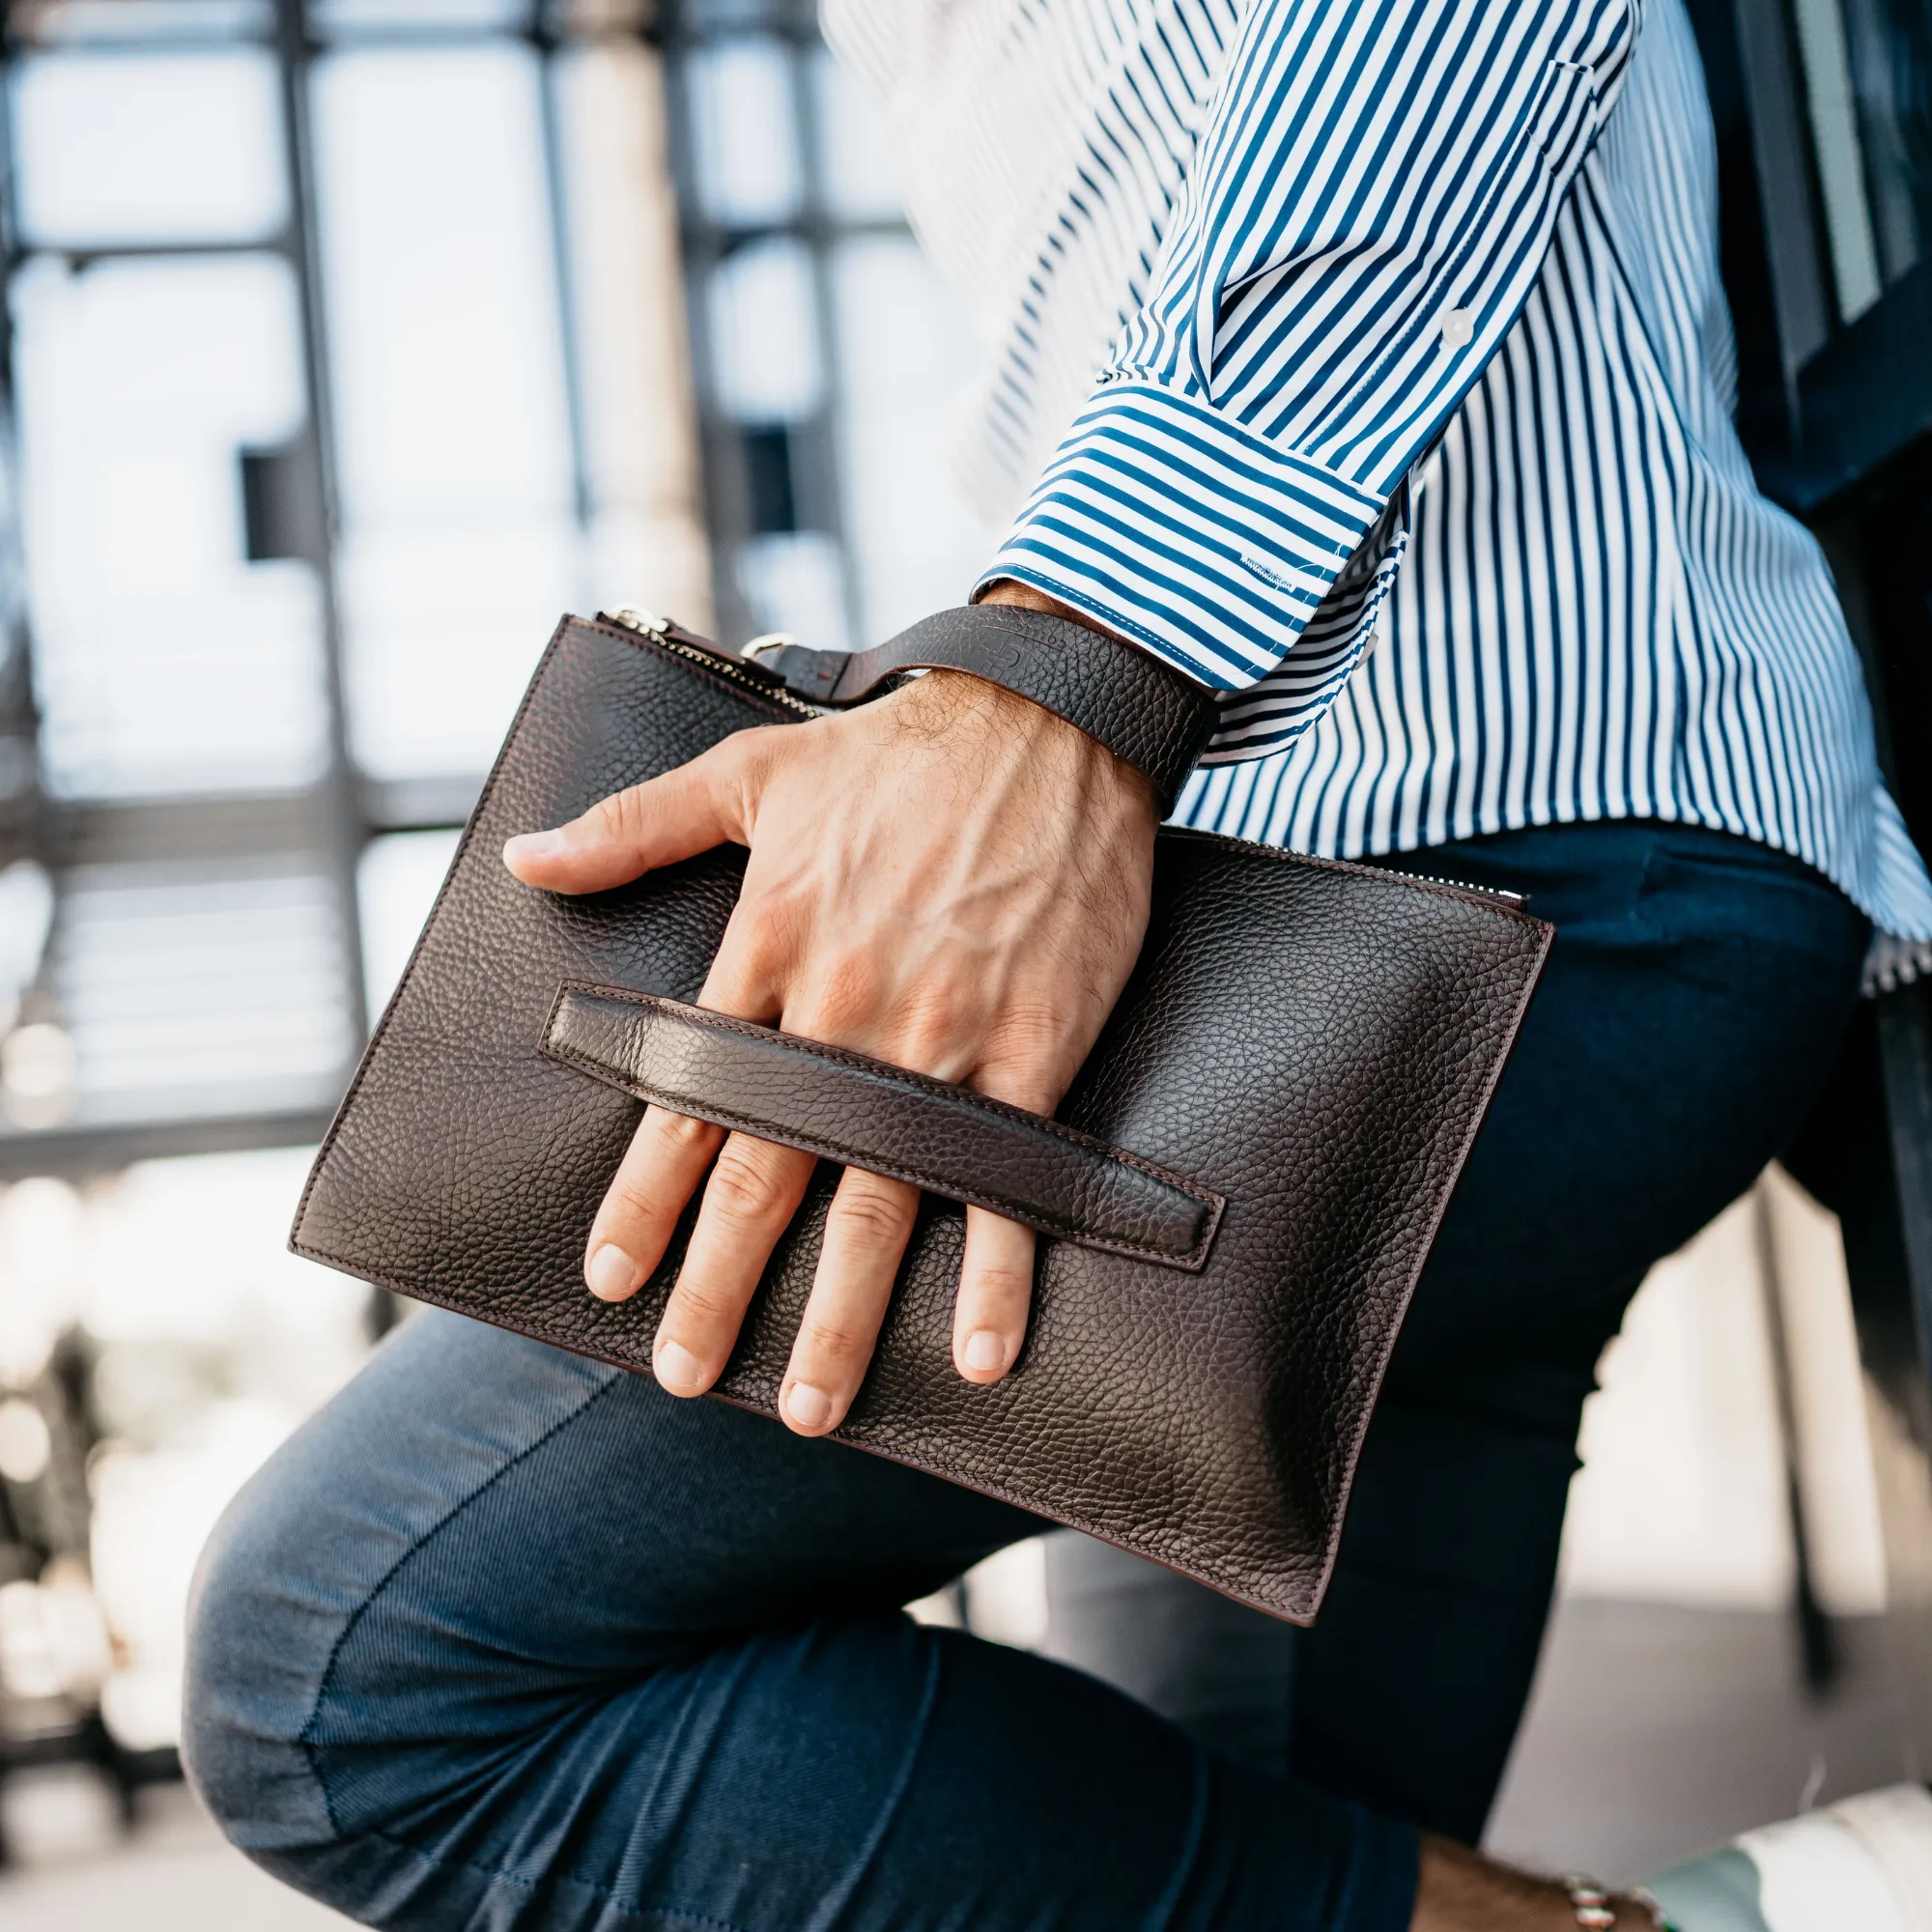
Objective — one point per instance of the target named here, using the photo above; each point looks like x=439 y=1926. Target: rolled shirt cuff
x=1178 y=527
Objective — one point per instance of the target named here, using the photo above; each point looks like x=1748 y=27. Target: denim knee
x=303 y=1553
x=255 y=1657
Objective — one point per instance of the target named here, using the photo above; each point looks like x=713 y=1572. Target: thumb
x=676 y=816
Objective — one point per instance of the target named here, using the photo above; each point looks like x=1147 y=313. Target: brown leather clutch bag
x=1238 y=1192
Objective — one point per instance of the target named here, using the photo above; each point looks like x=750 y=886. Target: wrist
x=1018 y=596
x=945 y=704
x=1142 y=709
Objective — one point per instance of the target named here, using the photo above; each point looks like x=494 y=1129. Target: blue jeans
x=507 y=1638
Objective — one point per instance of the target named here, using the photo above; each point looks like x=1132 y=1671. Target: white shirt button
x=1459 y=328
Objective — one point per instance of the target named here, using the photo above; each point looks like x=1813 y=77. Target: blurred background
x=346 y=343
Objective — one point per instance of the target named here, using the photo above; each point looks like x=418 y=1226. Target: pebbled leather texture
x=866 y=1112
x=1314 y=1042
x=1144 y=711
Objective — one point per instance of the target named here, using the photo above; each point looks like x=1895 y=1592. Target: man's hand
x=952 y=879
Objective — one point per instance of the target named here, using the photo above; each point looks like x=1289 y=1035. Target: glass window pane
x=459 y=544
x=156 y=148
x=1890 y=53
x=440 y=281
x=857 y=176
x=197 y=990
x=744 y=127
x=906 y=355
x=796 y=582
x=1841 y=173
x=443 y=628
x=377 y=16
x=718 y=17
x=396 y=883
x=765 y=359
x=163 y=661
x=26 y=911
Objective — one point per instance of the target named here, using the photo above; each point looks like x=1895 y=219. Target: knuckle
x=941 y=1027
x=736 y=769
x=632 y=1199
x=743 y=757
x=1029 y=1032
x=744 y=1185
x=848 y=989
x=1000 y=1281
x=678 y=1133
x=1032 y=1075
x=702 y=1303
x=937 y=1008
x=767 y=926
x=620 y=817
x=831 y=1343
x=873 y=1215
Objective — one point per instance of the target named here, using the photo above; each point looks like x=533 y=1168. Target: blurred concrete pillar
x=643 y=522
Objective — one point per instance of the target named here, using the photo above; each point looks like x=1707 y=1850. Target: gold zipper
x=657 y=629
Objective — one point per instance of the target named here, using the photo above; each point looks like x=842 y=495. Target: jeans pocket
x=1715 y=887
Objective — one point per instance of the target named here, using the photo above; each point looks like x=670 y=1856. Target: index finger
x=673 y=816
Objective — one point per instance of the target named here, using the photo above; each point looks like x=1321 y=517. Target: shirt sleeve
x=1368 y=208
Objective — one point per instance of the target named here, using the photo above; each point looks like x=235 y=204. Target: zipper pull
x=646 y=623
x=669 y=632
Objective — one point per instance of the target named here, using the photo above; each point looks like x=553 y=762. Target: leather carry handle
x=1155 y=718
x=866 y=1112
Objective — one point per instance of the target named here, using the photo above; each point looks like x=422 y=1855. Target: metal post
x=1818 y=1645
x=557 y=190
x=345 y=826
x=1905 y=1053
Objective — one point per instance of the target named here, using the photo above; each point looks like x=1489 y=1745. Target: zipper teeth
x=725 y=668
x=1368 y=865
x=774 y=694
x=1461 y=885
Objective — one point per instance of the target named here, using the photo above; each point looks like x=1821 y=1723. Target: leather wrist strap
x=1143 y=710
x=866 y=1112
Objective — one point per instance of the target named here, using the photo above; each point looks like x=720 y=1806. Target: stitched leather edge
x=1193 y=1260
x=1542 y=937
x=636 y=640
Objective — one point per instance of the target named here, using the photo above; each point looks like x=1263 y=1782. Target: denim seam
x=496 y=1875
x=831 y=1911
x=303 y=1738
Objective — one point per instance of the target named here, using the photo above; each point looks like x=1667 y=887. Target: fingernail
x=677 y=1368
x=808 y=1407
x=984 y=1350
x=612 y=1273
x=533 y=845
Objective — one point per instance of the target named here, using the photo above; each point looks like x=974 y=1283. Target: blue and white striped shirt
x=1411 y=427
